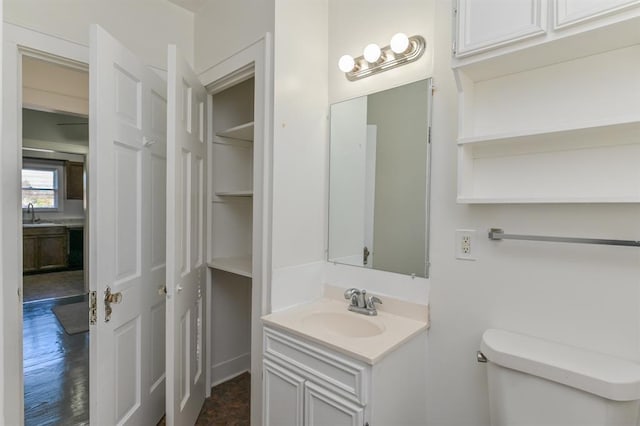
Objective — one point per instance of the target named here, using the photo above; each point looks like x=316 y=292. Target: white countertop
x=397 y=329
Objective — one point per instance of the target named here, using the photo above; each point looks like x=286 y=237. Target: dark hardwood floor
x=56 y=368
x=56 y=375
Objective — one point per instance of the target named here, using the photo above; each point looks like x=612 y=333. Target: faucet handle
x=348 y=294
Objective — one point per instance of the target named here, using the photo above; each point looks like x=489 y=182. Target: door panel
x=324 y=408
x=284 y=393
x=126 y=221
x=185 y=243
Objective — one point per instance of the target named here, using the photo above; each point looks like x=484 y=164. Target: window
x=40 y=187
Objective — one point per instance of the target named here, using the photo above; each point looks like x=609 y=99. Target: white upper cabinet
x=570 y=12
x=487 y=24
x=552 y=117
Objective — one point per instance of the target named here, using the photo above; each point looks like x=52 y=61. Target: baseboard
x=227 y=370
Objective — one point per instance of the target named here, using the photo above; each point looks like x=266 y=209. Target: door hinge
x=93 y=307
x=453 y=47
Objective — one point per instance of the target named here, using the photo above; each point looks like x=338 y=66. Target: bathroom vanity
x=324 y=365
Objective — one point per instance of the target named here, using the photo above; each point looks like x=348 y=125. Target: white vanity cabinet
x=306 y=383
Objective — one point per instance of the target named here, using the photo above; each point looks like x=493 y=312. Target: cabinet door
x=324 y=408
x=75 y=179
x=52 y=251
x=29 y=254
x=283 y=394
x=569 y=12
x=488 y=24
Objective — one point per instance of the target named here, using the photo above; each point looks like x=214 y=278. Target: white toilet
x=535 y=382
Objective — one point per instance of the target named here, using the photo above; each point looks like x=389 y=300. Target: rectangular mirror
x=379 y=180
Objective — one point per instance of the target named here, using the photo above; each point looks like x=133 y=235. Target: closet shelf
x=248 y=193
x=243 y=132
x=236 y=265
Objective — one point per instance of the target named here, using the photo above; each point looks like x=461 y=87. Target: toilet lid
x=596 y=373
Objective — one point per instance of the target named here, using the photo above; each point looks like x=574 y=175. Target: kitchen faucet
x=33 y=213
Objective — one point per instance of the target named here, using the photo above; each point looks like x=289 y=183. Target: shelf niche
x=568 y=132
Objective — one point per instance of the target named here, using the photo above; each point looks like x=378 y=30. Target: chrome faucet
x=361 y=303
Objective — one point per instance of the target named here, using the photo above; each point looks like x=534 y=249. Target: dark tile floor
x=228 y=404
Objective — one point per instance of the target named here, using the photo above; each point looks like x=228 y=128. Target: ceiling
x=192 y=5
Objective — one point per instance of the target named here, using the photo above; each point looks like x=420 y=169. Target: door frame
x=254 y=60
x=18 y=42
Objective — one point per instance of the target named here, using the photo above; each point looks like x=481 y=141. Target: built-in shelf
x=235 y=265
x=248 y=193
x=571 y=136
x=243 y=132
x=536 y=125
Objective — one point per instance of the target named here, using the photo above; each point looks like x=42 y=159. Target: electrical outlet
x=465 y=240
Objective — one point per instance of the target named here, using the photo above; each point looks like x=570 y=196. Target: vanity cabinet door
x=283 y=396
x=325 y=408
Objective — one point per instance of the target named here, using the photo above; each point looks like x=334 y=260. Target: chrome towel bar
x=498 y=234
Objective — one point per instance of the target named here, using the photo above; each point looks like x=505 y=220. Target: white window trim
x=48 y=165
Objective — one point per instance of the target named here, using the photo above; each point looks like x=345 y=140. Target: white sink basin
x=347 y=324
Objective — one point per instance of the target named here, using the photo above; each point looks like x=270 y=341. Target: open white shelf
x=235 y=265
x=570 y=136
x=242 y=132
x=248 y=193
x=549 y=132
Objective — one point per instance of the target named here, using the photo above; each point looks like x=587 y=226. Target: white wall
x=587 y=296
x=222 y=28
x=145 y=26
x=300 y=132
x=355 y=23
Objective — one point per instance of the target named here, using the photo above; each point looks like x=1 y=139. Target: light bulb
x=399 y=43
x=372 y=53
x=346 y=63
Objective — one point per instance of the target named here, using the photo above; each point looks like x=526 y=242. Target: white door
x=186 y=266
x=127 y=201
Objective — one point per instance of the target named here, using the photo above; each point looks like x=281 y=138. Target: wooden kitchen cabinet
x=44 y=248
x=75 y=180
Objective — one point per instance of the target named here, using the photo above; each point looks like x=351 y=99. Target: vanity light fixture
x=401 y=50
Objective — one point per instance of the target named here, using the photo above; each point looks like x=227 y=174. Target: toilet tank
x=536 y=382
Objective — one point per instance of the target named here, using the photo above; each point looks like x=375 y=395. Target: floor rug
x=74 y=317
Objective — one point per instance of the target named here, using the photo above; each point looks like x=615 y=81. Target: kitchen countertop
x=397 y=328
